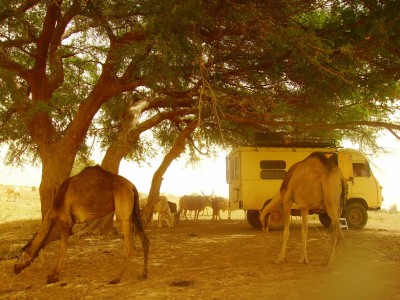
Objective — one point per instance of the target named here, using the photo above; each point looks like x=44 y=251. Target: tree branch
x=8 y=13
x=176 y=150
x=342 y=125
x=52 y=15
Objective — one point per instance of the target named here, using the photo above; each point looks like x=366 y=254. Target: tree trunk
x=176 y=150
x=127 y=137
x=56 y=168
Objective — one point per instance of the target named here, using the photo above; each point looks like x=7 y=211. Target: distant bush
x=34 y=189
x=393 y=209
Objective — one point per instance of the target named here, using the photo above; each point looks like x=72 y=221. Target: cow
x=218 y=204
x=193 y=203
x=162 y=207
x=174 y=210
x=165 y=209
x=142 y=203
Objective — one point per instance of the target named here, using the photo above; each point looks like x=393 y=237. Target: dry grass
x=14 y=235
x=19 y=220
x=192 y=259
x=26 y=207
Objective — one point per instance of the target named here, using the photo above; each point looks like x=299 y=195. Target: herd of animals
x=314 y=182
x=171 y=213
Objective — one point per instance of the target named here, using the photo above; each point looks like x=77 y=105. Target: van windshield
x=361 y=170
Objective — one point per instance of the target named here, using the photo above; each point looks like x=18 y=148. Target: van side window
x=273 y=164
x=237 y=168
x=272 y=169
x=231 y=170
x=361 y=170
x=272 y=174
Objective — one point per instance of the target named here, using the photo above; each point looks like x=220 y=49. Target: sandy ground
x=205 y=260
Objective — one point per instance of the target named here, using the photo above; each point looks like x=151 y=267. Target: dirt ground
x=205 y=260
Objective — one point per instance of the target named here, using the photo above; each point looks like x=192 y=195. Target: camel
x=314 y=183
x=92 y=194
x=13 y=194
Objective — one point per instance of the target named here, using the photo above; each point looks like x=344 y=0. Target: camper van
x=255 y=174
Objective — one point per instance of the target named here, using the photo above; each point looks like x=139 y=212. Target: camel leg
x=128 y=236
x=286 y=218
x=54 y=275
x=304 y=233
x=33 y=247
x=336 y=236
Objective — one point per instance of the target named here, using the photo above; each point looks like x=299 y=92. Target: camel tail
x=343 y=197
x=136 y=218
x=268 y=208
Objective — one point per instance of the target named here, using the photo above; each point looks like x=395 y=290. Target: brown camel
x=314 y=183
x=92 y=194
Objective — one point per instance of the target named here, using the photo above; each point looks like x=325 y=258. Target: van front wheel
x=356 y=216
x=325 y=219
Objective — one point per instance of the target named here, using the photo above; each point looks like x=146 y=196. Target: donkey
x=314 y=183
x=91 y=194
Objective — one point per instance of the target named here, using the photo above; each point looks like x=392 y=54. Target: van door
x=361 y=182
x=364 y=184
x=233 y=179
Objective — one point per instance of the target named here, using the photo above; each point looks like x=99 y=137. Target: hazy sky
x=180 y=179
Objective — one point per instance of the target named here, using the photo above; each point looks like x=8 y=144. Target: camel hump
x=328 y=162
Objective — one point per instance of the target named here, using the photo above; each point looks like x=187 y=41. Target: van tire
x=253 y=218
x=356 y=216
x=325 y=220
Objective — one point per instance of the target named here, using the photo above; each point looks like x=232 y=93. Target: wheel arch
x=359 y=201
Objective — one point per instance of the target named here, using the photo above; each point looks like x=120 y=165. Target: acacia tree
x=62 y=60
x=303 y=67
x=289 y=66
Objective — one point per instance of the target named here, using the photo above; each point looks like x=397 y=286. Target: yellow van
x=254 y=175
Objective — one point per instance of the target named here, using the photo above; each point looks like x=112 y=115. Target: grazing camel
x=92 y=194
x=314 y=183
x=13 y=194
